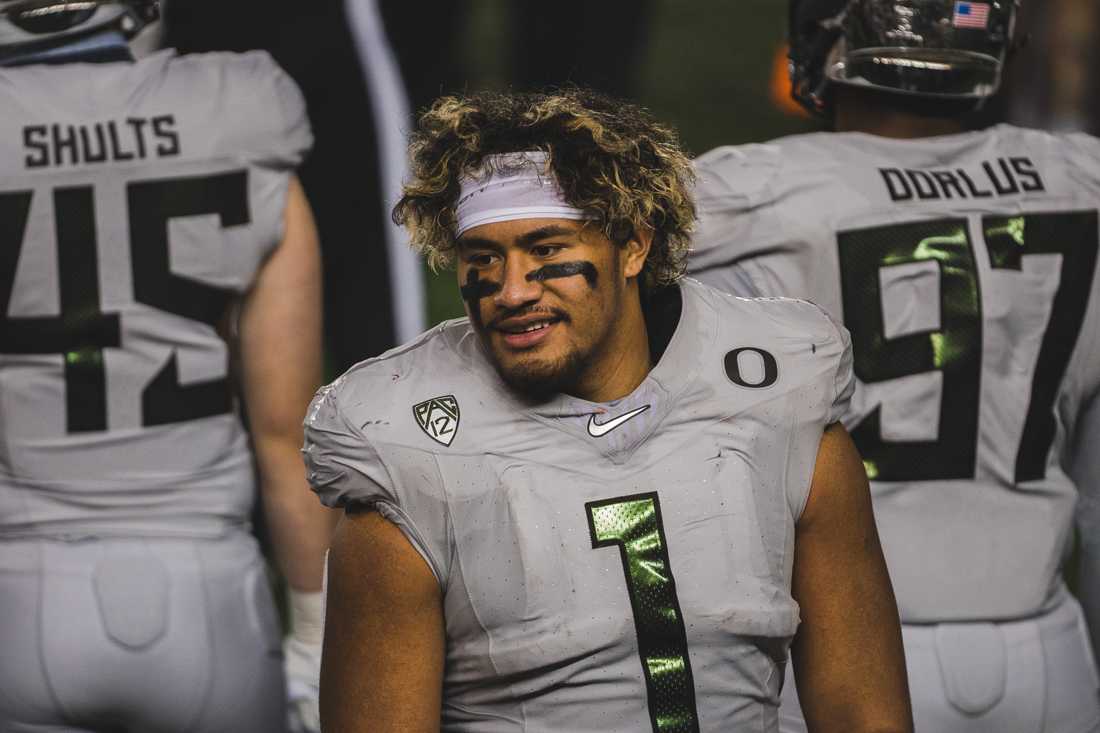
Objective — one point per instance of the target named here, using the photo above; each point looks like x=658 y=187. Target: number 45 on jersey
x=82 y=330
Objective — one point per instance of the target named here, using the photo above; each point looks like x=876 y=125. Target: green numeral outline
x=955 y=349
x=634 y=525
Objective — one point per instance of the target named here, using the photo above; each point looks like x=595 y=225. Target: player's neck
x=623 y=362
x=886 y=122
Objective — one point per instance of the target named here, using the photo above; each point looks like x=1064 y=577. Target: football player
x=149 y=211
x=603 y=500
x=964 y=266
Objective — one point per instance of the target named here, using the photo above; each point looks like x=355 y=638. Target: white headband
x=509 y=187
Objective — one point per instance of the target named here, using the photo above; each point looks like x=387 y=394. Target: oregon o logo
x=757 y=365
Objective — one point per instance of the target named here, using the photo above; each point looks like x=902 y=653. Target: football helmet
x=948 y=50
x=43 y=22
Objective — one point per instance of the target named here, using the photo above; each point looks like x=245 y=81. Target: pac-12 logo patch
x=438 y=417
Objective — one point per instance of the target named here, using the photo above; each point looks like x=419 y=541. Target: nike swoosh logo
x=598 y=430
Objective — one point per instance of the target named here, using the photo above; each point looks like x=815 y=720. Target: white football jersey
x=964 y=267
x=137 y=201
x=618 y=567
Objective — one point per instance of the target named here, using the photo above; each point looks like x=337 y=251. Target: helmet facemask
x=33 y=23
x=934 y=48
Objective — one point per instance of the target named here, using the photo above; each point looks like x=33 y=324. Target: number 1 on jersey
x=633 y=524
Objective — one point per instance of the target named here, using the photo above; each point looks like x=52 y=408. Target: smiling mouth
x=526 y=335
x=529 y=327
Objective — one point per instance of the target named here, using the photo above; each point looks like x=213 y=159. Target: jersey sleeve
x=815 y=386
x=833 y=345
x=844 y=380
x=1084 y=159
x=733 y=194
x=346 y=469
x=271 y=110
x=264 y=125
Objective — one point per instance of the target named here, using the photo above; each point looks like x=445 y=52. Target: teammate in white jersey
x=149 y=212
x=602 y=501
x=964 y=265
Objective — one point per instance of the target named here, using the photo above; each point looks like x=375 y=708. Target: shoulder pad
x=262 y=106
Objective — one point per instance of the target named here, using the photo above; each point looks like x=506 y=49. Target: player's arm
x=1085 y=471
x=280 y=353
x=280 y=345
x=382 y=668
x=848 y=658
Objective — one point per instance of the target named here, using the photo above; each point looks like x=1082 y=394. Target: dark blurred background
x=715 y=69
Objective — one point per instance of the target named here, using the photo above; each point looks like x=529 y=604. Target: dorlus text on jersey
x=113 y=141
x=1000 y=177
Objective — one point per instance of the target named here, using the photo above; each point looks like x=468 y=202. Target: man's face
x=544 y=295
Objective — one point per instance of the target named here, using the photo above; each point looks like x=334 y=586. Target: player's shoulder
x=206 y=76
x=733 y=172
x=744 y=193
x=251 y=80
x=236 y=68
x=1071 y=147
x=1071 y=160
x=385 y=379
x=255 y=107
x=1084 y=152
x=736 y=175
x=738 y=169
x=1010 y=134
x=1083 y=141
x=773 y=347
x=376 y=396
x=770 y=319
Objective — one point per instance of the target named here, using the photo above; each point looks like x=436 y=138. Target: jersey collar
x=616 y=429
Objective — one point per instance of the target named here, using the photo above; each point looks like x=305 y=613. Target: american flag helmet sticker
x=971 y=15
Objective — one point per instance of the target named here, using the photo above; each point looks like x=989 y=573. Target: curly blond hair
x=610 y=158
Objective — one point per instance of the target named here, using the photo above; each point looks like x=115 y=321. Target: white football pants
x=140 y=636
x=1033 y=676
